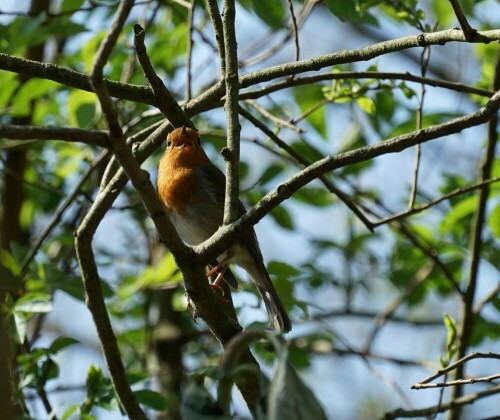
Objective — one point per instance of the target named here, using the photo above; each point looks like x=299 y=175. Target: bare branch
x=29 y=132
x=304 y=163
x=362 y=54
x=295 y=30
x=232 y=117
x=74 y=79
x=305 y=80
x=165 y=101
x=469 y=381
x=469 y=31
x=430 y=411
x=418 y=209
x=455 y=365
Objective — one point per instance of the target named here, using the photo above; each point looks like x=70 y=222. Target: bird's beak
x=185 y=141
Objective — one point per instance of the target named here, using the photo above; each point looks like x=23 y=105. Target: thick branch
x=231 y=202
x=143 y=94
x=29 y=132
x=74 y=79
x=362 y=54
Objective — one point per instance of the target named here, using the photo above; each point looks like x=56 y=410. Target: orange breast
x=177 y=177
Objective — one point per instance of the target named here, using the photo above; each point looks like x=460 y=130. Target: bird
x=192 y=190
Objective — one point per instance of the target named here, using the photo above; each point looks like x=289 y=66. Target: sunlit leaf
x=35 y=303
x=82 y=108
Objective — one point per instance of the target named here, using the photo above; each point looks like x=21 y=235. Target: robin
x=193 y=189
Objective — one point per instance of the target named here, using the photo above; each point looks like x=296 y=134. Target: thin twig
x=304 y=163
x=424 y=62
x=95 y=299
x=189 y=51
x=487 y=299
x=381 y=318
x=214 y=13
x=295 y=30
x=63 y=206
x=469 y=381
x=143 y=94
x=457 y=364
x=415 y=210
x=454 y=403
x=276 y=120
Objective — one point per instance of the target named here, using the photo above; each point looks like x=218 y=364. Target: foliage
x=349 y=258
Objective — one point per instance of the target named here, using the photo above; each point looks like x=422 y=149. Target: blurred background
x=373 y=312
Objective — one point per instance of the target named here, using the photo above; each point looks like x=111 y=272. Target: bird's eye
x=169 y=143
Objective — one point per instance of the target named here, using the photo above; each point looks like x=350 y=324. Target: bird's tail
x=275 y=308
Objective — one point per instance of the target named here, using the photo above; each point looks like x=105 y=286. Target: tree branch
x=166 y=102
x=28 y=132
x=361 y=54
x=232 y=155
x=431 y=411
x=227 y=234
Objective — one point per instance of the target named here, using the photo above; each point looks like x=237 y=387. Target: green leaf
x=35 y=303
x=307 y=98
x=280 y=268
x=60 y=343
x=8 y=261
x=271 y=12
x=289 y=398
x=30 y=90
x=314 y=196
x=70 y=5
x=10 y=82
x=459 y=211
x=494 y=221
x=271 y=172
x=350 y=11
x=82 y=108
x=151 y=399
x=166 y=272
x=451 y=327
x=69 y=412
x=21 y=322
x=367 y=104
x=282 y=217
x=99 y=389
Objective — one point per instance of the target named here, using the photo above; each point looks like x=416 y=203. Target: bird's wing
x=215 y=181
